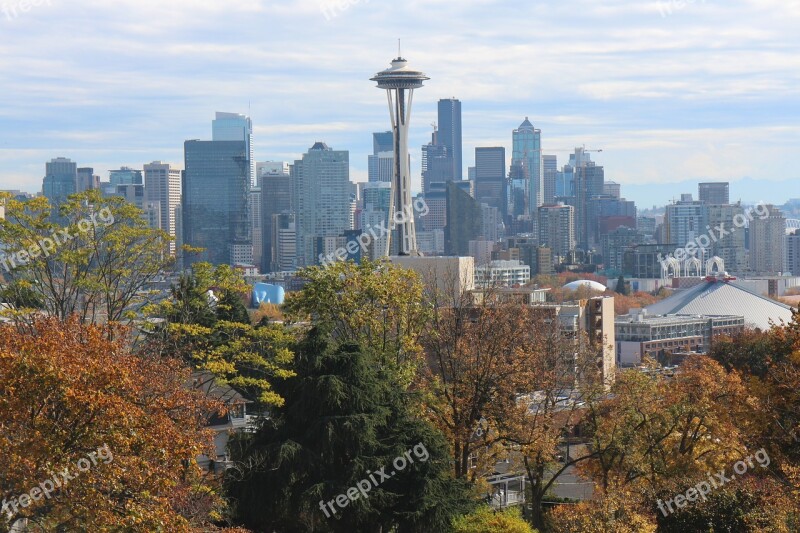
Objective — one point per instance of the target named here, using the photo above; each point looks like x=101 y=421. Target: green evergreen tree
x=343 y=419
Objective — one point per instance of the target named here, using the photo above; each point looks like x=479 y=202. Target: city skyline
x=690 y=111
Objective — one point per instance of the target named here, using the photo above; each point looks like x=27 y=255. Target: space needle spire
x=399 y=81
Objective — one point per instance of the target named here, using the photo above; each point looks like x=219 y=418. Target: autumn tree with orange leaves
x=65 y=391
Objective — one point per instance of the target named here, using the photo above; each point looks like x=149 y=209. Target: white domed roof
x=593 y=285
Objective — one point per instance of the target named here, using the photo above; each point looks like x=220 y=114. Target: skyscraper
x=589 y=180
x=380 y=163
x=87 y=179
x=793 y=253
x=449 y=134
x=399 y=82
x=437 y=165
x=490 y=178
x=550 y=169
x=730 y=247
x=215 y=201
x=767 y=241
x=557 y=229
x=527 y=155
x=684 y=221
x=714 y=192
x=162 y=184
x=60 y=180
x=236 y=127
x=464 y=220
x=277 y=193
x=322 y=199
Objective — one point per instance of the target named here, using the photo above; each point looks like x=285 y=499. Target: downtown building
x=215 y=202
x=557 y=229
x=490 y=178
x=767 y=242
x=277 y=198
x=449 y=134
x=162 y=184
x=527 y=168
x=321 y=182
x=60 y=180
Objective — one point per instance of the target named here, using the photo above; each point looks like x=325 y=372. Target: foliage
x=376 y=305
x=343 y=418
x=487 y=520
x=217 y=336
x=99 y=272
x=500 y=385
x=67 y=390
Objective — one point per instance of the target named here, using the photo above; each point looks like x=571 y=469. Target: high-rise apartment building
x=557 y=229
x=162 y=183
x=215 y=201
x=322 y=199
x=685 y=221
x=449 y=133
x=729 y=243
x=767 y=241
x=714 y=192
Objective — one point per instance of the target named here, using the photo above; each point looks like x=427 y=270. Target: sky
x=674 y=92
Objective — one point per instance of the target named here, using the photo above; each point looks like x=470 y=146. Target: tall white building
x=256 y=223
x=685 y=221
x=322 y=199
x=767 y=241
x=162 y=184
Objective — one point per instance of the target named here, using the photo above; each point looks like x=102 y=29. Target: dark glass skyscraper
x=449 y=133
x=490 y=178
x=215 y=202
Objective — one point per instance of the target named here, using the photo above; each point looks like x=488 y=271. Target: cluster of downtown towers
x=278 y=216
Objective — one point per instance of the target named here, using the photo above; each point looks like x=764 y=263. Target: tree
x=343 y=419
x=376 y=305
x=487 y=520
x=67 y=392
x=502 y=383
x=216 y=335
x=97 y=266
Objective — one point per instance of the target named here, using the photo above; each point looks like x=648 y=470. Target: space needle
x=400 y=80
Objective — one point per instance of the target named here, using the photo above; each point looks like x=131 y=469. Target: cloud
x=710 y=89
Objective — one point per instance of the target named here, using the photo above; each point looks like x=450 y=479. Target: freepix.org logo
x=373 y=233
x=47 y=245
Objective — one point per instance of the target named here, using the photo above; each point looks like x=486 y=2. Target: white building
x=502 y=274
x=162 y=183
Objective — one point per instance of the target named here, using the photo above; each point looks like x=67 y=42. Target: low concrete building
x=639 y=334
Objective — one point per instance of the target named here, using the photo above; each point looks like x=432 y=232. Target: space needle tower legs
x=399 y=81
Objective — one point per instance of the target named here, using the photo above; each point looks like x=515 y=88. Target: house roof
x=721 y=297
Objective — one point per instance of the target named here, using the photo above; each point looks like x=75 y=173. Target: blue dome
x=267 y=293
